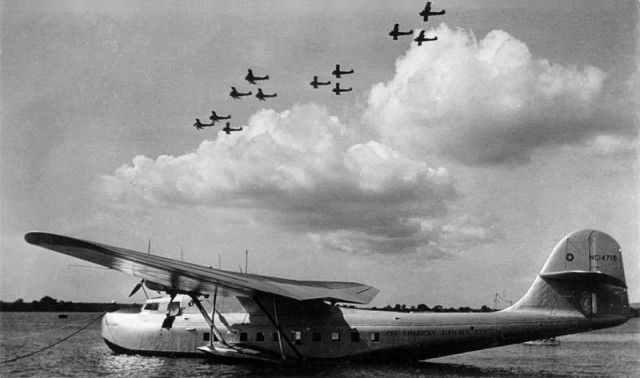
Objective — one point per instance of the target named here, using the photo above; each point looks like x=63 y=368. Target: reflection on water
x=611 y=352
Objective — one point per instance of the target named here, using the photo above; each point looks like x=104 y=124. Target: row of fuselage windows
x=296 y=337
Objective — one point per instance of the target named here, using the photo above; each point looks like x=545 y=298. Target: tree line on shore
x=48 y=304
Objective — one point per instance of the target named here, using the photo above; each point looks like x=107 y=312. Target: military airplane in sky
x=199 y=125
x=421 y=38
x=337 y=90
x=396 y=32
x=315 y=83
x=252 y=79
x=337 y=72
x=236 y=95
x=426 y=12
x=581 y=287
x=261 y=96
x=228 y=129
x=215 y=117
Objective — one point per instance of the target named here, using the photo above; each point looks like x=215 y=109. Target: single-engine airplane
x=228 y=129
x=215 y=117
x=337 y=90
x=261 y=96
x=199 y=125
x=396 y=32
x=338 y=73
x=581 y=288
x=315 y=83
x=252 y=79
x=426 y=12
x=421 y=38
x=236 y=95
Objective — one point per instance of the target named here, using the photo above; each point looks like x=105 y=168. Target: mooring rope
x=36 y=334
x=54 y=344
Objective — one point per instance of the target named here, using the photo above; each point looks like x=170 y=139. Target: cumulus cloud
x=303 y=170
x=483 y=102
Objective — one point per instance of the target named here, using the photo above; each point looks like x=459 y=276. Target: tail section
x=584 y=276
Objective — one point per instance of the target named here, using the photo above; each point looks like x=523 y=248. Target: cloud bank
x=483 y=102
x=303 y=170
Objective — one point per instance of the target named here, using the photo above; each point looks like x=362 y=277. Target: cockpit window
x=151 y=306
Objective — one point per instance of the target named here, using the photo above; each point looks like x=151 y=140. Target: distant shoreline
x=48 y=304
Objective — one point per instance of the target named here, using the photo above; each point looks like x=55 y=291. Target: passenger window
x=335 y=336
x=243 y=336
x=316 y=337
x=375 y=337
x=296 y=336
x=355 y=337
x=259 y=336
x=205 y=336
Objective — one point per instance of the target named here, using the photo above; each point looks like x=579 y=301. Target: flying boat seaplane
x=426 y=12
x=395 y=33
x=229 y=315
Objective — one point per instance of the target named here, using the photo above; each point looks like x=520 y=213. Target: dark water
x=611 y=352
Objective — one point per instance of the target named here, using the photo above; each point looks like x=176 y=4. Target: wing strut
x=280 y=333
x=209 y=320
x=275 y=314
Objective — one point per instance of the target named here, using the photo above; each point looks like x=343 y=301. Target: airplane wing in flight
x=187 y=277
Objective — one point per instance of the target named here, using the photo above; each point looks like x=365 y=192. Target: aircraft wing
x=188 y=277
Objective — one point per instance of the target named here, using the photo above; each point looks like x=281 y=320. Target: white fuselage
x=328 y=332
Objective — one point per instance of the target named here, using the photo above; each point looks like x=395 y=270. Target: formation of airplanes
x=425 y=13
x=237 y=95
x=251 y=78
x=338 y=73
x=229 y=316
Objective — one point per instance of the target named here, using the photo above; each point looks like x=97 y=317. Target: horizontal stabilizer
x=582 y=276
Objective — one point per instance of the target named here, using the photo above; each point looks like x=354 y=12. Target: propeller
x=137 y=287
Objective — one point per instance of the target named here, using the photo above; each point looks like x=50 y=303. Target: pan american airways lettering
x=442 y=332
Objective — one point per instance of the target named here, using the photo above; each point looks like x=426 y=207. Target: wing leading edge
x=188 y=277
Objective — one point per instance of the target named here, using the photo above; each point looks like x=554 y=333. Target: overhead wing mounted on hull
x=187 y=277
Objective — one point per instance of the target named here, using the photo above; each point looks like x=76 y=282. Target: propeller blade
x=136 y=288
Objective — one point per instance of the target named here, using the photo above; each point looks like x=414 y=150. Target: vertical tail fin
x=584 y=275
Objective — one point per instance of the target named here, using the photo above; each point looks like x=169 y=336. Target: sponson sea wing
x=187 y=277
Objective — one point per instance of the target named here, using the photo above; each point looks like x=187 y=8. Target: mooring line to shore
x=34 y=334
x=54 y=344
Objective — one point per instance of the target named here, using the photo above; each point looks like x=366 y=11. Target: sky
x=446 y=176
